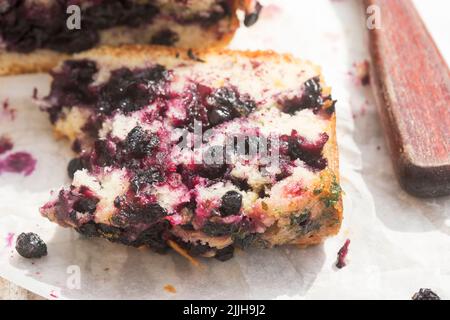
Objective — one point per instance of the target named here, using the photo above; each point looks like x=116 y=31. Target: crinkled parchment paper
x=398 y=243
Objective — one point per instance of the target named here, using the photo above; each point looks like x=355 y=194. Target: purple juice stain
x=9 y=239
x=5 y=144
x=342 y=254
x=18 y=162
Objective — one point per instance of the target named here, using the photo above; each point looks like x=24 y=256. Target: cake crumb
x=363 y=72
x=170 y=288
x=342 y=254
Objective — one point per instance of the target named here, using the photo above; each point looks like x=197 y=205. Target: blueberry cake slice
x=202 y=151
x=36 y=34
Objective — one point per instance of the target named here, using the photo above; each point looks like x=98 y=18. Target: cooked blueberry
x=30 y=245
x=188 y=177
x=212 y=171
x=74 y=165
x=230 y=98
x=218 y=229
x=149 y=176
x=86 y=205
x=165 y=37
x=311 y=153
x=231 y=203
x=80 y=71
x=140 y=143
x=225 y=254
x=146 y=215
x=155 y=237
x=242 y=184
x=220 y=114
x=103 y=153
x=129 y=91
x=245 y=240
x=252 y=17
x=71 y=84
x=88 y=229
x=194 y=248
x=25 y=27
x=71 y=41
x=310 y=99
x=194 y=101
x=425 y=294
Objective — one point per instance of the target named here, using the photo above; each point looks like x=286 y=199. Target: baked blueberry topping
x=310 y=99
x=115 y=13
x=140 y=143
x=225 y=254
x=231 y=203
x=103 y=154
x=213 y=107
x=230 y=99
x=30 y=245
x=86 y=205
x=148 y=177
x=147 y=215
x=155 y=237
x=129 y=91
x=218 y=229
x=25 y=27
x=165 y=37
x=88 y=229
x=212 y=171
x=74 y=165
x=220 y=114
x=300 y=148
x=71 y=84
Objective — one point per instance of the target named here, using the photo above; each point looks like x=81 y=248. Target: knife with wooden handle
x=411 y=81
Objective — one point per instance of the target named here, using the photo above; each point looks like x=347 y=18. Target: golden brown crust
x=139 y=52
x=331 y=153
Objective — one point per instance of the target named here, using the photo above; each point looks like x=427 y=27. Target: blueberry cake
x=203 y=151
x=34 y=34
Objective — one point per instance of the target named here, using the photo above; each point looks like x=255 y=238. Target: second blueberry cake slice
x=200 y=151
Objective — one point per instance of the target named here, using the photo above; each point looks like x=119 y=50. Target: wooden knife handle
x=412 y=85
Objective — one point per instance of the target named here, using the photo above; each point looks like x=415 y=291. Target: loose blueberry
x=30 y=245
x=231 y=203
x=425 y=294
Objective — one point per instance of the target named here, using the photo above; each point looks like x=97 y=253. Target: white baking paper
x=398 y=243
